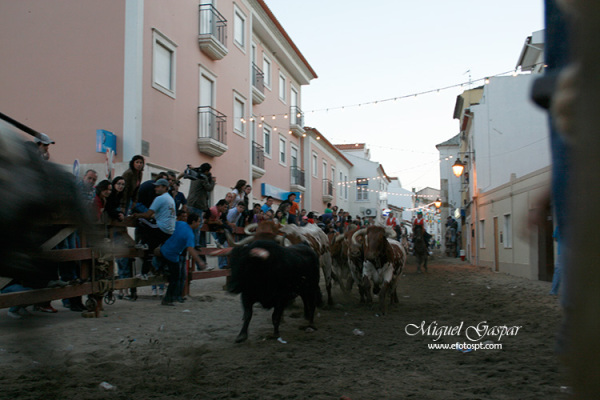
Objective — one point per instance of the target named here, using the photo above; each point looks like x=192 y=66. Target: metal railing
x=327 y=187
x=258 y=78
x=211 y=22
x=297 y=176
x=258 y=155
x=296 y=116
x=211 y=124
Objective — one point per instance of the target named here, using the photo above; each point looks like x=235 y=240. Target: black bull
x=265 y=272
x=34 y=194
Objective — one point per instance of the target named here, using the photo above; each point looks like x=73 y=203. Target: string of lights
x=273 y=117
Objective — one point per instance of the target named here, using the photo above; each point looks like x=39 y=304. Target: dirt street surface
x=142 y=350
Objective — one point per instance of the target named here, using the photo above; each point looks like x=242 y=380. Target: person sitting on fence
x=167 y=255
x=147 y=192
x=157 y=231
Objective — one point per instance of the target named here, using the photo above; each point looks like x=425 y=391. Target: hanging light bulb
x=273 y=116
x=285 y=116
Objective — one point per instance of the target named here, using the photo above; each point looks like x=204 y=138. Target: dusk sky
x=366 y=52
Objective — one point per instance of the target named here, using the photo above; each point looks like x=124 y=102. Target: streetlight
x=437 y=203
x=458 y=168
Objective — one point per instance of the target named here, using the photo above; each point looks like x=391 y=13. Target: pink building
x=179 y=82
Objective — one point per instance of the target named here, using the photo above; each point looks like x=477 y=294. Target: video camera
x=195 y=173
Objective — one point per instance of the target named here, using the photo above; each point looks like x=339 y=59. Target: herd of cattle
x=272 y=266
x=275 y=264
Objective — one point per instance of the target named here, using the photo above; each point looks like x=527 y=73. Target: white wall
x=510 y=133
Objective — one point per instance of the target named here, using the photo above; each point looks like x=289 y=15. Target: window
x=238 y=115
x=333 y=175
x=239 y=28
x=346 y=187
x=282 y=88
x=315 y=165
x=267 y=71
x=282 y=151
x=163 y=64
x=324 y=169
x=267 y=140
x=362 y=189
x=507 y=231
x=341 y=182
x=293 y=156
x=482 y=234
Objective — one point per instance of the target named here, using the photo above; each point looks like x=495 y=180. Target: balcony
x=258 y=160
x=327 y=190
x=296 y=121
x=297 y=180
x=212 y=32
x=212 y=138
x=258 y=85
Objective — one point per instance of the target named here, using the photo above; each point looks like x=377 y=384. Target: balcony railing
x=297 y=176
x=296 y=120
x=212 y=137
x=212 y=32
x=258 y=155
x=258 y=160
x=258 y=78
x=258 y=85
x=296 y=116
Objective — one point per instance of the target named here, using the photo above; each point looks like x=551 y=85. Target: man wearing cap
x=43 y=142
x=162 y=210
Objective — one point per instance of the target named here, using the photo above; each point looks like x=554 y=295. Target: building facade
x=507 y=140
x=178 y=82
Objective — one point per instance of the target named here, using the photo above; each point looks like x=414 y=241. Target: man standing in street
x=168 y=255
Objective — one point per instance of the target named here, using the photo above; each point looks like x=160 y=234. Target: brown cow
x=384 y=259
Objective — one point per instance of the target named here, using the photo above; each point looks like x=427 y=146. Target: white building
x=367 y=184
x=507 y=139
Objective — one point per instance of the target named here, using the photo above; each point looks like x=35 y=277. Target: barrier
x=97 y=288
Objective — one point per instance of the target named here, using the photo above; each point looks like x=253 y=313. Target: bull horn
x=389 y=232
x=338 y=238
x=230 y=239
x=248 y=230
x=359 y=232
x=243 y=242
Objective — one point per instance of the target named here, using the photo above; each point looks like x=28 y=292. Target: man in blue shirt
x=167 y=255
x=162 y=209
x=267 y=206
